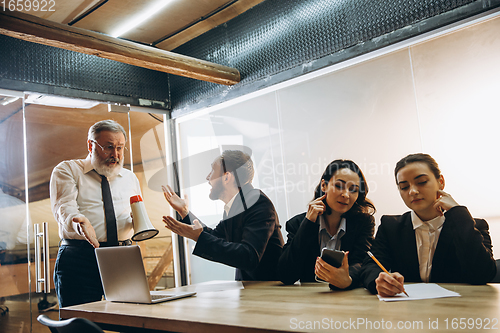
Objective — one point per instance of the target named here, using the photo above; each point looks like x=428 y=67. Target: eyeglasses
x=110 y=148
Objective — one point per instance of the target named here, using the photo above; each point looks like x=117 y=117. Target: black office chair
x=496 y=279
x=73 y=325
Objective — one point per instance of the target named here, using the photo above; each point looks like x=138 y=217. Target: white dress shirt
x=327 y=240
x=75 y=190
x=427 y=236
x=227 y=207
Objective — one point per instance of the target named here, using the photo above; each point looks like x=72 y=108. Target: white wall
x=439 y=96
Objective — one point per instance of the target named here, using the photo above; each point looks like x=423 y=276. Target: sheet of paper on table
x=212 y=286
x=418 y=291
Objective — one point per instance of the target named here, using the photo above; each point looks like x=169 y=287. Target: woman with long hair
x=340 y=217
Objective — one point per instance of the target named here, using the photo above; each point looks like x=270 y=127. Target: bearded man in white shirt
x=76 y=198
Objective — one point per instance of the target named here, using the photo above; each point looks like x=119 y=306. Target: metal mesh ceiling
x=279 y=35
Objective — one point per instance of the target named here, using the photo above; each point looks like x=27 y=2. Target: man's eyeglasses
x=110 y=148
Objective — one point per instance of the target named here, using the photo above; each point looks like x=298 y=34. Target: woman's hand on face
x=315 y=208
x=444 y=203
x=339 y=277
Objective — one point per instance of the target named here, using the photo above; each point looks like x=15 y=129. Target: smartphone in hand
x=331 y=257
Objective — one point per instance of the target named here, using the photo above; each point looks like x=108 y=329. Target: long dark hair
x=362 y=205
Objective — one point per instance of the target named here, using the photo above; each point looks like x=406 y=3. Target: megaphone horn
x=142 y=225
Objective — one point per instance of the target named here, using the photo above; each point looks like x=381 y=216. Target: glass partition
x=55 y=133
x=15 y=224
x=152 y=166
x=436 y=96
x=252 y=127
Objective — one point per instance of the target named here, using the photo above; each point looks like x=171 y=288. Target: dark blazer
x=463 y=253
x=302 y=248
x=249 y=239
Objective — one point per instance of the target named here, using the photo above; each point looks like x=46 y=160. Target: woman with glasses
x=339 y=218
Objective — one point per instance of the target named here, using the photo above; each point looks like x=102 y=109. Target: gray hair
x=105 y=125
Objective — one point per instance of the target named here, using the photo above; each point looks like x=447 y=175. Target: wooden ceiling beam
x=37 y=30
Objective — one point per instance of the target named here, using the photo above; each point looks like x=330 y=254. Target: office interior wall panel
x=281 y=39
x=34 y=67
x=250 y=125
x=438 y=96
x=365 y=113
x=457 y=88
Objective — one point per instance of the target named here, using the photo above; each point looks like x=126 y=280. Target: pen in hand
x=383 y=268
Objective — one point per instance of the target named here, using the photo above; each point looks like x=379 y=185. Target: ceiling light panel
x=62 y=102
x=144 y=15
x=173 y=17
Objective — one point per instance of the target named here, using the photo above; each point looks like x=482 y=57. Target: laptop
x=124 y=279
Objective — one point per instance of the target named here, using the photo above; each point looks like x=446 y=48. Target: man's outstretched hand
x=191 y=231
x=86 y=230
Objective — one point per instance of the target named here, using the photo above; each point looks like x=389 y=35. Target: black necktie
x=109 y=213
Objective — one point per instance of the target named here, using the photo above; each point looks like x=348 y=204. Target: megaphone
x=142 y=225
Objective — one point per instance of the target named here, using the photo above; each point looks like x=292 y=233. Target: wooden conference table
x=272 y=307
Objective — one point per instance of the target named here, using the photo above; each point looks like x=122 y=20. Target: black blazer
x=249 y=239
x=463 y=253
x=302 y=248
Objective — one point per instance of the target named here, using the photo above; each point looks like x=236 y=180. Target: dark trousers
x=76 y=275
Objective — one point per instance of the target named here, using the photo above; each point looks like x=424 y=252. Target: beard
x=100 y=166
x=216 y=190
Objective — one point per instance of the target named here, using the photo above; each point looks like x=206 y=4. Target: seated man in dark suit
x=248 y=237
x=437 y=241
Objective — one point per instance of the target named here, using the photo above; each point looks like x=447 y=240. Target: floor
x=18 y=320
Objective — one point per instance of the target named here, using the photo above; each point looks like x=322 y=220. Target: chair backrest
x=496 y=279
x=73 y=325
